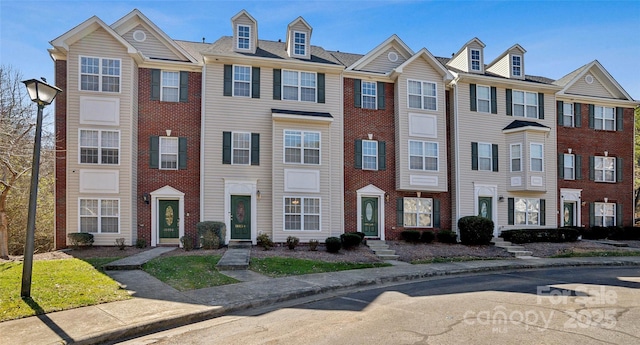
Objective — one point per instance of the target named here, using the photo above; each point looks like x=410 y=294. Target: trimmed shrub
x=447 y=236
x=78 y=239
x=120 y=243
x=333 y=244
x=411 y=236
x=625 y=233
x=427 y=236
x=361 y=234
x=350 y=240
x=292 y=242
x=540 y=235
x=211 y=234
x=141 y=243
x=188 y=242
x=475 y=230
x=264 y=241
x=313 y=245
x=595 y=233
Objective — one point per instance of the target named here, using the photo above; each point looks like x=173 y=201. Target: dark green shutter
x=358 y=154
x=400 y=212
x=255 y=82
x=255 y=148
x=473 y=98
x=591 y=116
x=182 y=153
x=155 y=84
x=543 y=212
x=494 y=156
x=592 y=171
x=618 y=169
x=380 y=93
x=321 y=87
x=560 y=112
x=436 y=213
x=619 y=118
x=357 y=93
x=184 y=86
x=619 y=215
x=560 y=165
x=494 y=100
x=226 y=147
x=510 y=211
x=509 y=103
x=154 y=152
x=382 y=155
x=592 y=214
x=578 y=167
x=540 y=105
x=474 y=156
x=228 y=80
x=277 y=83
x=577 y=114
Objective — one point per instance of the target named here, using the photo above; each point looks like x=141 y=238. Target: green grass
x=597 y=253
x=441 y=260
x=188 y=272
x=55 y=285
x=282 y=267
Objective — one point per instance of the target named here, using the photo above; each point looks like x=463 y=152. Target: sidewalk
x=156 y=305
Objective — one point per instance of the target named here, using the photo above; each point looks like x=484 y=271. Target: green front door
x=568 y=218
x=370 y=216
x=484 y=207
x=240 y=217
x=168 y=218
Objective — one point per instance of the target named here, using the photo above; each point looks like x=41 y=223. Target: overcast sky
x=559 y=36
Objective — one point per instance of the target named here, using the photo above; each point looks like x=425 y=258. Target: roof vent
x=589 y=79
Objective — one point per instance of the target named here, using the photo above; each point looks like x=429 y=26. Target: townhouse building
x=154 y=135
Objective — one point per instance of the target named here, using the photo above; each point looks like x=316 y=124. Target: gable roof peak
x=426 y=54
x=241 y=13
x=393 y=40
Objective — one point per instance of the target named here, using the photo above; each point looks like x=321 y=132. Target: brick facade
x=61 y=156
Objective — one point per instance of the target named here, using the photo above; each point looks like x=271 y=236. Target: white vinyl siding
x=99 y=74
x=422 y=95
x=418 y=212
x=298 y=86
x=99 y=215
x=525 y=104
x=170 y=86
x=301 y=147
x=423 y=155
x=604 y=118
x=99 y=147
x=605 y=169
x=242 y=81
x=168 y=153
x=301 y=214
x=526 y=211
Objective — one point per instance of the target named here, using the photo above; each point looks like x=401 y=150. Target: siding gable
x=151 y=46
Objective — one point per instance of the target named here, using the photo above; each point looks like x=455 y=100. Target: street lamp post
x=43 y=94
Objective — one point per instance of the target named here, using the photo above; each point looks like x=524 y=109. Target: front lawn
x=55 y=285
x=441 y=260
x=282 y=267
x=188 y=272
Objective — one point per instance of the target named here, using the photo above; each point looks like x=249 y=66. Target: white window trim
x=424 y=155
x=511 y=157
x=531 y=158
x=478 y=99
x=526 y=212
x=160 y=153
x=571 y=114
x=513 y=67
x=604 y=170
x=294 y=44
x=100 y=146
x=162 y=86
x=602 y=216
x=302 y=148
x=234 y=81
x=299 y=86
x=573 y=166
x=471 y=59
x=602 y=119
x=302 y=213
x=238 y=37
x=99 y=215
x=490 y=157
x=525 y=105
x=100 y=75
x=374 y=96
x=374 y=156
x=233 y=148
x=422 y=95
x=417 y=213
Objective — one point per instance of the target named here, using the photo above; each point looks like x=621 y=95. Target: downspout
x=202 y=131
x=456 y=148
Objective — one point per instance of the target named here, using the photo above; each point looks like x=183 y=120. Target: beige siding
x=152 y=47
x=101 y=44
x=245 y=20
x=134 y=154
x=501 y=67
x=422 y=71
x=596 y=89
x=461 y=61
x=382 y=64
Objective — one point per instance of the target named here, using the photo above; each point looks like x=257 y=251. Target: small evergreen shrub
x=595 y=233
x=475 y=230
x=313 y=245
x=264 y=241
x=208 y=231
x=141 y=243
x=411 y=236
x=209 y=240
x=427 y=236
x=120 y=243
x=188 y=242
x=625 y=233
x=350 y=240
x=447 y=236
x=520 y=236
x=80 y=239
x=292 y=242
x=333 y=244
x=361 y=234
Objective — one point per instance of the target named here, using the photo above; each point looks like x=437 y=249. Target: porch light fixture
x=145 y=197
x=569 y=150
x=606 y=200
x=258 y=195
x=168 y=132
x=42 y=94
x=418 y=194
x=501 y=198
x=606 y=153
x=386 y=197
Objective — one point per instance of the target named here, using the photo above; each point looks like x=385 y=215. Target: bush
x=313 y=245
x=264 y=241
x=350 y=240
x=81 y=239
x=333 y=244
x=211 y=234
x=411 y=236
x=188 y=242
x=447 y=236
x=540 y=235
x=626 y=233
x=120 y=243
x=361 y=234
x=475 y=230
x=292 y=242
x=595 y=233
x=427 y=236
x=141 y=243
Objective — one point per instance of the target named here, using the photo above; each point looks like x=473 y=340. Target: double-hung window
x=299 y=43
x=302 y=213
x=241 y=148
x=536 y=153
x=516 y=65
x=475 y=60
x=100 y=215
x=369 y=99
x=604 y=214
x=605 y=169
x=242 y=81
x=99 y=74
x=526 y=211
x=569 y=164
x=169 y=153
x=418 y=212
x=298 y=86
x=244 y=33
x=483 y=94
x=99 y=146
x=301 y=147
x=423 y=155
x=604 y=118
x=422 y=95
x=170 y=86
x=369 y=155
x=567 y=115
x=516 y=157
x=485 y=157
x=525 y=104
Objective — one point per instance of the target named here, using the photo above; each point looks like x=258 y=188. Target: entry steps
x=517 y=251
x=381 y=249
x=236 y=257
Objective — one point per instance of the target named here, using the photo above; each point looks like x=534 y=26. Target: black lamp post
x=43 y=94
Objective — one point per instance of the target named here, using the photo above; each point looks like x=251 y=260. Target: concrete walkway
x=156 y=306
x=135 y=262
x=236 y=258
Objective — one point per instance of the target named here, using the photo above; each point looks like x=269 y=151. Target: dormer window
x=244 y=34
x=516 y=65
x=475 y=60
x=299 y=43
